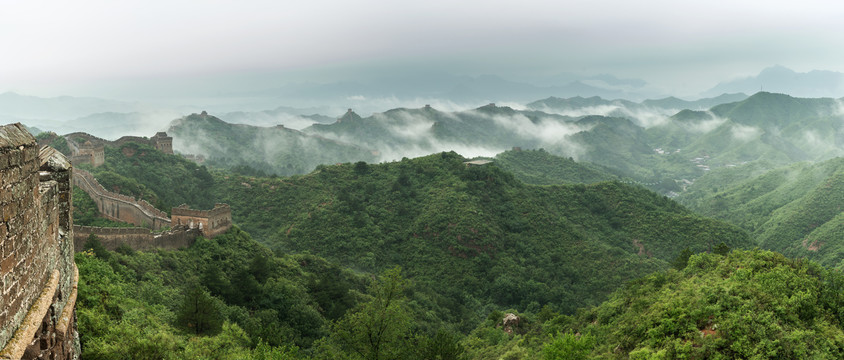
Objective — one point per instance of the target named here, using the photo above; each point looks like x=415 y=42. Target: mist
x=706 y=126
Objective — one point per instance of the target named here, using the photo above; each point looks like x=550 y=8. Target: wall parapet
x=37 y=271
x=147 y=215
x=141 y=239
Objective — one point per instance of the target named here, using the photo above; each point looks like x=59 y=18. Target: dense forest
x=461 y=243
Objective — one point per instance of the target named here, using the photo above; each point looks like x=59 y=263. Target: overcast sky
x=88 y=47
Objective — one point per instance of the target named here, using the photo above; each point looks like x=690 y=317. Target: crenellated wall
x=120 y=207
x=37 y=274
x=136 y=238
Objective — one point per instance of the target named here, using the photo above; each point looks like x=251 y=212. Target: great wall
x=187 y=224
x=141 y=239
x=38 y=276
x=120 y=207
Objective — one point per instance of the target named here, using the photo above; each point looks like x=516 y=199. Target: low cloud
x=745 y=133
x=547 y=131
x=705 y=126
x=645 y=117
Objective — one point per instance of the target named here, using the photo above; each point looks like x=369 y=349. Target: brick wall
x=136 y=238
x=120 y=207
x=213 y=222
x=37 y=274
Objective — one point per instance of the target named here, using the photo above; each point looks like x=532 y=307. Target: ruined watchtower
x=86 y=153
x=212 y=222
x=162 y=142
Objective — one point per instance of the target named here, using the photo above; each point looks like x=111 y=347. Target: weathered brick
x=29 y=251
x=7 y=264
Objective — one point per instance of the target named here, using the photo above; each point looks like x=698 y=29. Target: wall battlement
x=140 y=239
x=37 y=274
x=124 y=208
x=120 y=207
x=160 y=141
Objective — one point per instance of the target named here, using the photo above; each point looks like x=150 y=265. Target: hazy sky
x=97 y=47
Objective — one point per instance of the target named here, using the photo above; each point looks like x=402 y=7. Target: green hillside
x=749 y=304
x=164 y=180
x=226 y=298
x=273 y=150
x=539 y=167
x=475 y=234
x=775 y=128
x=413 y=132
x=613 y=142
x=766 y=109
x=793 y=209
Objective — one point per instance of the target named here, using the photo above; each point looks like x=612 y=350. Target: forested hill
x=746 y=305
x=775 y=128
x=474 y=234
x=539 y=167
x=794 y=209
x=619 y=107
x=274 y=150
x=658 y=147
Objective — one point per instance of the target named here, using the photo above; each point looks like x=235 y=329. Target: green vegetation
x=230 y=298
x=54 y=140
x=273 y=150
x=742 y=305
x=793 y=209
x=164 y=180
x=540 y=167
x=749 y=304
x=228 y=295
x=474 y=235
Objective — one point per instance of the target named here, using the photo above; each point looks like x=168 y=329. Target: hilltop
x=277 y=150
x=474 y=233
x=539 y=167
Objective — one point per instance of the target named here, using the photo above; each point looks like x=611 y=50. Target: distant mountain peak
x=780 y=79
x=350 y=115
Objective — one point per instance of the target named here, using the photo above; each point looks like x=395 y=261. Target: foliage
x=793 y=209
x=473 y=238
x=748 y=304
x=568 y=346
x=200 y=312
x=54 y=140
x=540 y=167
x=166 y=305
x=379 y=328
x=164 y=180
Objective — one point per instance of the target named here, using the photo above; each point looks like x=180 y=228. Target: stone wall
x=86 y=153
x=160 y=141
x=136 y=238
x=120 y=207
x=212 y=222
x=37 y=274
